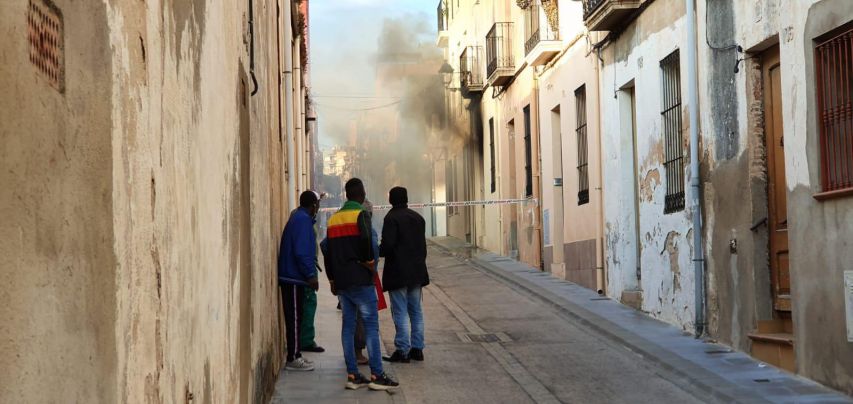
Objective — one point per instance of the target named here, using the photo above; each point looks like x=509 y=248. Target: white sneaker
x=299 y=364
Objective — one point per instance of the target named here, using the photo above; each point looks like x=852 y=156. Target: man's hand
x=370 y=265
x=313 y=284
x=332 y=288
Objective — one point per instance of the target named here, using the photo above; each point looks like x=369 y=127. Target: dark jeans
x=291 y=300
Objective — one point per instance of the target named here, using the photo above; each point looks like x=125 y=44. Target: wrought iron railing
x=536 y=27
x=589 y=6
x=441 y=12
x=499 y=48
x=470 y=70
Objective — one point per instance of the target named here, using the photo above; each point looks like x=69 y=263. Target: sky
x=344 y=36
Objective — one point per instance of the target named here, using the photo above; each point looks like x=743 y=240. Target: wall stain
x=671 y=249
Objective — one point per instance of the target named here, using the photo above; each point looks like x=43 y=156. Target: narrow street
x=492 y=341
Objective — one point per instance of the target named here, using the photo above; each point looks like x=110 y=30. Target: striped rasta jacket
x=349 y=245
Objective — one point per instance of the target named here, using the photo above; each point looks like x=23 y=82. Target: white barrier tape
x=451 y=204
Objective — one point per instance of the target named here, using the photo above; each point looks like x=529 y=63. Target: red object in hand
x=381 y=303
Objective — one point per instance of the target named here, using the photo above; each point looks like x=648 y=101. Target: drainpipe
x=298 y=100
x=693 y=104
x=601 y=223
x=288 y=106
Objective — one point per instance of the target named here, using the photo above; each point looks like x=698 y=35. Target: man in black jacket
x=404 y=248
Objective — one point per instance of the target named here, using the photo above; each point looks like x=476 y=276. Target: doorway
x=776 y=186
x=773 y=340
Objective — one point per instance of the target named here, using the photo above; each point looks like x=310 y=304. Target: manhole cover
x=485 y=338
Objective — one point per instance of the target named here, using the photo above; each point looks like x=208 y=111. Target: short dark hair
x=354 y=189
x=308 y=199
x=398 y=196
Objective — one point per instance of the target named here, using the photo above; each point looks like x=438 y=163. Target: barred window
x=834 y=76
x=583 y=145
x=672 y=132
x=492 y=152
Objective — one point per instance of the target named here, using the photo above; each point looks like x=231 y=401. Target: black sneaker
x=382 y=382
x=397 y=356
x=313 y=348
x=356 y=381
x=416 y=354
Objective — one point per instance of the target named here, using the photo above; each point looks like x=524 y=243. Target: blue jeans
x=408 y=314
x=363 y=300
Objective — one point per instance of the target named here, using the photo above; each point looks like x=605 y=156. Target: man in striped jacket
x=350 y=268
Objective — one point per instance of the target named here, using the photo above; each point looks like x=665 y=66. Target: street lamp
x=447 y=73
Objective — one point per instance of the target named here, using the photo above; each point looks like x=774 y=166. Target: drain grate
x=47 y=49
x=488 y=338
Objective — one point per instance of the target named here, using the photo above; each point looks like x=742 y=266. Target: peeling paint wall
x=735 y=196
x=633 y=59
x=147 y=213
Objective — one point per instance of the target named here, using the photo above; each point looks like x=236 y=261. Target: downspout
x=601 y=224
x=298 y=100
x=693 y=105
x=538 y=225
x=288 y=106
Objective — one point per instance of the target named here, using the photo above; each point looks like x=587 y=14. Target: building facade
x=150 y=156
x=609 y=95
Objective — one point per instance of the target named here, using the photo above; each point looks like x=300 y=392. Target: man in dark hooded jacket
x=404 y=248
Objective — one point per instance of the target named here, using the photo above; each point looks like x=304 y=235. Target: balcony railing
x=471 y=72
x=499 y=48
x=536 y=27
x=608 y=15
x=591 y=5
x=441 y=12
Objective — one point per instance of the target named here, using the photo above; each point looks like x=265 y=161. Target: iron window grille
x=499 y=47
x=536 y=27
x=834 y=76
x=672 y=132
x=528 y=155
x=492 y=153
x=583 y=146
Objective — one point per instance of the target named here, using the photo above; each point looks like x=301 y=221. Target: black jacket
x=404 y=248
x=348 y=247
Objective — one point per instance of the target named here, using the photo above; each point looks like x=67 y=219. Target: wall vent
x=47 y=48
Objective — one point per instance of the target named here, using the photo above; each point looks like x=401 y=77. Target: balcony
x=443 y=22
x=500 y=63
x=607 y=15
x=543 y=39
x=470 y=70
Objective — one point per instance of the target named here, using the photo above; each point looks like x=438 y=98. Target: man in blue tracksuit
x=297 y=269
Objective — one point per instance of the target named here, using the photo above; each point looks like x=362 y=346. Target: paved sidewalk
x=325 y=384
x=708 y=369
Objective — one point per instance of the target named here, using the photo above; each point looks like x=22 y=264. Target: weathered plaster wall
x=184 y=201
x=666 y=239
x=57 y=264
x=735 y=191
x=823 y=353
x=146 y=202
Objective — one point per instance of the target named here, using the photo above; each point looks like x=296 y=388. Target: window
x=583 y=146
x=672 y=137
x=833 y=73
x=492 y=151
x=528 y=155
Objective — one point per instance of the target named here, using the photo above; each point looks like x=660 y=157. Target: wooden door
x=776 y=189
